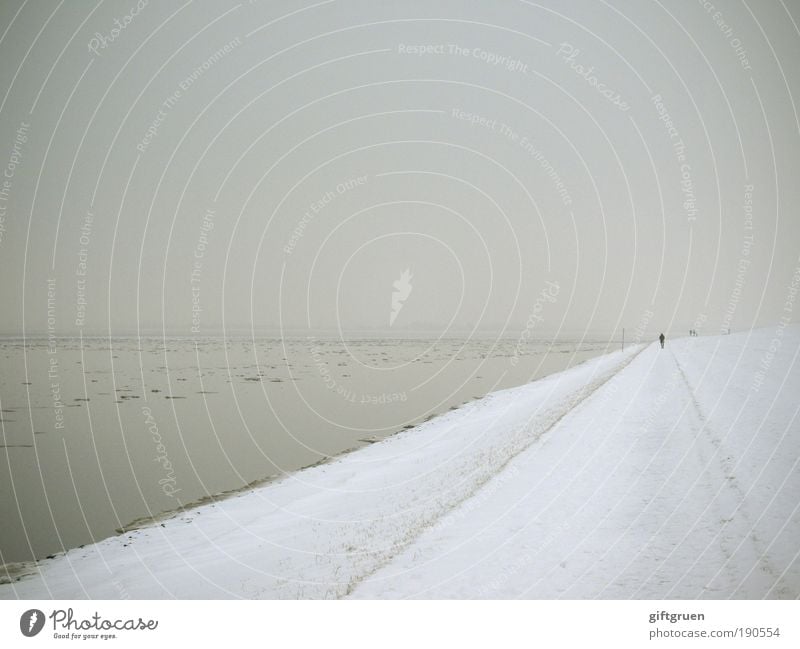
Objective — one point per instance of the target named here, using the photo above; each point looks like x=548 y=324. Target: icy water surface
x=99 y=433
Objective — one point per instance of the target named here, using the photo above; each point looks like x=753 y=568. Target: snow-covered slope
x=644 y=473
x=677 y=480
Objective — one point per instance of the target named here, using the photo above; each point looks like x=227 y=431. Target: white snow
x=646 y=473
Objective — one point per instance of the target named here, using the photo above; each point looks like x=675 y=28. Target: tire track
x=520 y=440
x=726 y=465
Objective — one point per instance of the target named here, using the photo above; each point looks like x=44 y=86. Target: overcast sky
x=569 y=167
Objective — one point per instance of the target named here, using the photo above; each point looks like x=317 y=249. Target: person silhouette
x=661 y=339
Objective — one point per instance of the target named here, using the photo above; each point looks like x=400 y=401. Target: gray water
x=99 y=433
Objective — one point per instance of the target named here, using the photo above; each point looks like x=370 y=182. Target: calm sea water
x=99 y=433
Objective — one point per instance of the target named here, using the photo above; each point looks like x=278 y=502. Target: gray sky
x=599 y=152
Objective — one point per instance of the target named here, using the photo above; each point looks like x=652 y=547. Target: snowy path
x=640 y=492
x=649 y=473
x=321 y=531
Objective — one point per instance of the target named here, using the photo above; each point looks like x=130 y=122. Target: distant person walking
x=661 y=339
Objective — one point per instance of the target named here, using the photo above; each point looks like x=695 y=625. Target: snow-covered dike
x=646 y=473
x=676 y=480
